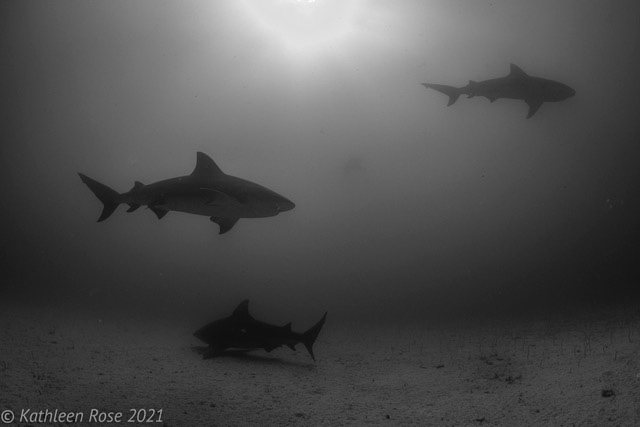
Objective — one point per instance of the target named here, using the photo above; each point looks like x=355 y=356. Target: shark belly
x=201 y=206
x=506 y=89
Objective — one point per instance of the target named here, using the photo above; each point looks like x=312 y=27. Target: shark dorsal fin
x=287 y=327
x=242 y=310
x=137 y=185
x=517 y=72
x=206 y=167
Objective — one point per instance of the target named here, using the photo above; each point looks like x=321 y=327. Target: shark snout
x=284 y=205
x=570 y=92
x=566 y=92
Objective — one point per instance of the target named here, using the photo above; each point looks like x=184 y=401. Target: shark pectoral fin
x=137 y=185
x=133 y=207
x=225 y=223
x=219 y=198
x=160 y=213
x=533 y=104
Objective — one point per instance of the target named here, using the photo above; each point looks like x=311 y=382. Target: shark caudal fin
x=452 y=92
x=109 y=198
x=309 y=337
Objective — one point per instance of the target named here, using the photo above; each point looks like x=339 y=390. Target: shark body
x=206 y=191
x=517 y=85
x=242 y=331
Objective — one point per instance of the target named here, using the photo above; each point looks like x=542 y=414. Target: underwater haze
x=435 y=265
x=404 y=206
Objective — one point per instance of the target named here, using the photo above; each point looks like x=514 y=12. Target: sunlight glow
x=306 y=27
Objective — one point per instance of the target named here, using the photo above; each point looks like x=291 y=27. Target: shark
x=517 y=85
x=242 y=331
x=206 y=191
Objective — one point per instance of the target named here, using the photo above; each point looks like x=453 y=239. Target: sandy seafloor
x=545 y=371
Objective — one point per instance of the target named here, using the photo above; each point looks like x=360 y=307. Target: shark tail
x=109 y=198
x=309 y=337
x=452 y=92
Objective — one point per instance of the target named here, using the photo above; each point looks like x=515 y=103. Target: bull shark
x=517 y=85
x=241 y=331
x=207 y=191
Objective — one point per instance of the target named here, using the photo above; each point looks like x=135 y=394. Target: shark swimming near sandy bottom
x=242 y=331
x=517 y=85
x=206 y=191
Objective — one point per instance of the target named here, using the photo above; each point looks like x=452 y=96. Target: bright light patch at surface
x=304 y=26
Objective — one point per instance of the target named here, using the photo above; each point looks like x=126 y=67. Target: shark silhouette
x=241 y=331
x=207 y=191
x=517 y=85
